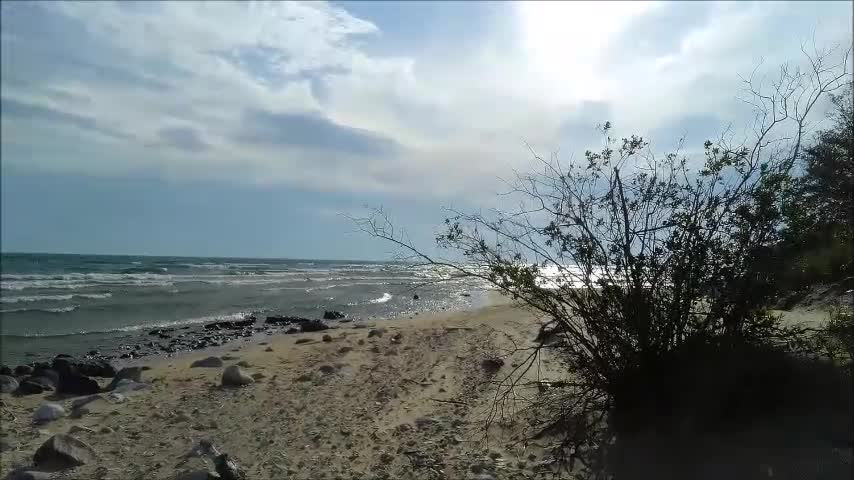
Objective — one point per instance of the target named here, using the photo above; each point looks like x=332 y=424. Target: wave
x=67 y=309
x=386 y=297
x=53 y=298
x=135 y=328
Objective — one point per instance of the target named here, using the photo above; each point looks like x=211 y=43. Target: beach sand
x=408 y=404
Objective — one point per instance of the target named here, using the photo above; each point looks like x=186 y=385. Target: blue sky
x=247 y=129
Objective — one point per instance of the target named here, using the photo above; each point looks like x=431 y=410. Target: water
x=71 y=303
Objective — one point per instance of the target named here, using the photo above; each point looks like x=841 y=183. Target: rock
x=132 y=373
x=88 y=367
x=302 y=340
x=396 y=338
x=345 y=349
x=415 y=297
x=126 y=386
x=22 y=370
x=326 y=369
x=333 y=315
x=313 y=326
x=247 y=321
x=106 y=430
x=194 y=475
x=79 y=402
x=327 y=338
x=6 y=370
x=80 y=429
x=28 y=475
x=8 y=384
x=63 y=451
x=243 y=363
x=376 y=332
x=75 y=383
x=234 y=377
x=386 y=457
x=425 y=422
x=48 y=412
x=492 y=365
x=115 y=397
x=53 y=375
x=292 y=331
x=228 y=469
x=210 y=362
x=268 y=349
x=258 y=376
x=33 y=385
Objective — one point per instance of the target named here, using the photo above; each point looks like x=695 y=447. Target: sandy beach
x=382 y=399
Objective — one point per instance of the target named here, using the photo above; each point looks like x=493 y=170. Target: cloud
x=312 y=131
x=183 y=138
x=367 y=98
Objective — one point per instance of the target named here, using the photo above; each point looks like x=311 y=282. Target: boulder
x=48 y=412
x=28 y=475
x=247 y=321
x=53 y=375
x=228 y=469
x=132 y=373
x=8 y=384
x=22 y=370
x=63 y=451
x=6 y=370
x=210 y=362
x=313 y=326
x=233 y=376
x=333 y=315
x=33 y=385
x=376 y=332
x=90 y=367
x=77 y=384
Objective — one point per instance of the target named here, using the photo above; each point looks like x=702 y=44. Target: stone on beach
x=377 y=332
x=8 y=384
x=48 y=412
x=63 y=451
x=209 y=362
x=132 y=373
x=33 y=385
x=233 y=376
x=333 y=315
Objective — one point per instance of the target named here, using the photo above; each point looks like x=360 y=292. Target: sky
x=248 y=129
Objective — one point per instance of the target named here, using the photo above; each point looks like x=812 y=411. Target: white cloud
x=448 y=123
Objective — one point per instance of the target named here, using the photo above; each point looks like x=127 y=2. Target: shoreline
x=396 y=399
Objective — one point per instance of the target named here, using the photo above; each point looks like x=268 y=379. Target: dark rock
x=233 y=376
x=28 y=475
x=53 y=375
x=302 y=340
x=34 y=385
x=22 y=370
x=313 y=326
x=292 y=330
x=326 y=369
x=48 y=412
x=492 y=364
x=345 y=349
x=376 y=332
x=396 y=338
x=415 y=297
x=333 y=315
x=228 y=469
x=465 y=294
x=247 y=321
x=268 y=349
x=133 y=373
x=93 y=353
x=77 y=384
x=8 y=384
x=327 y=338
x=63 y=451
x=90 y=367
x=6 y=370
x=209 y=362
